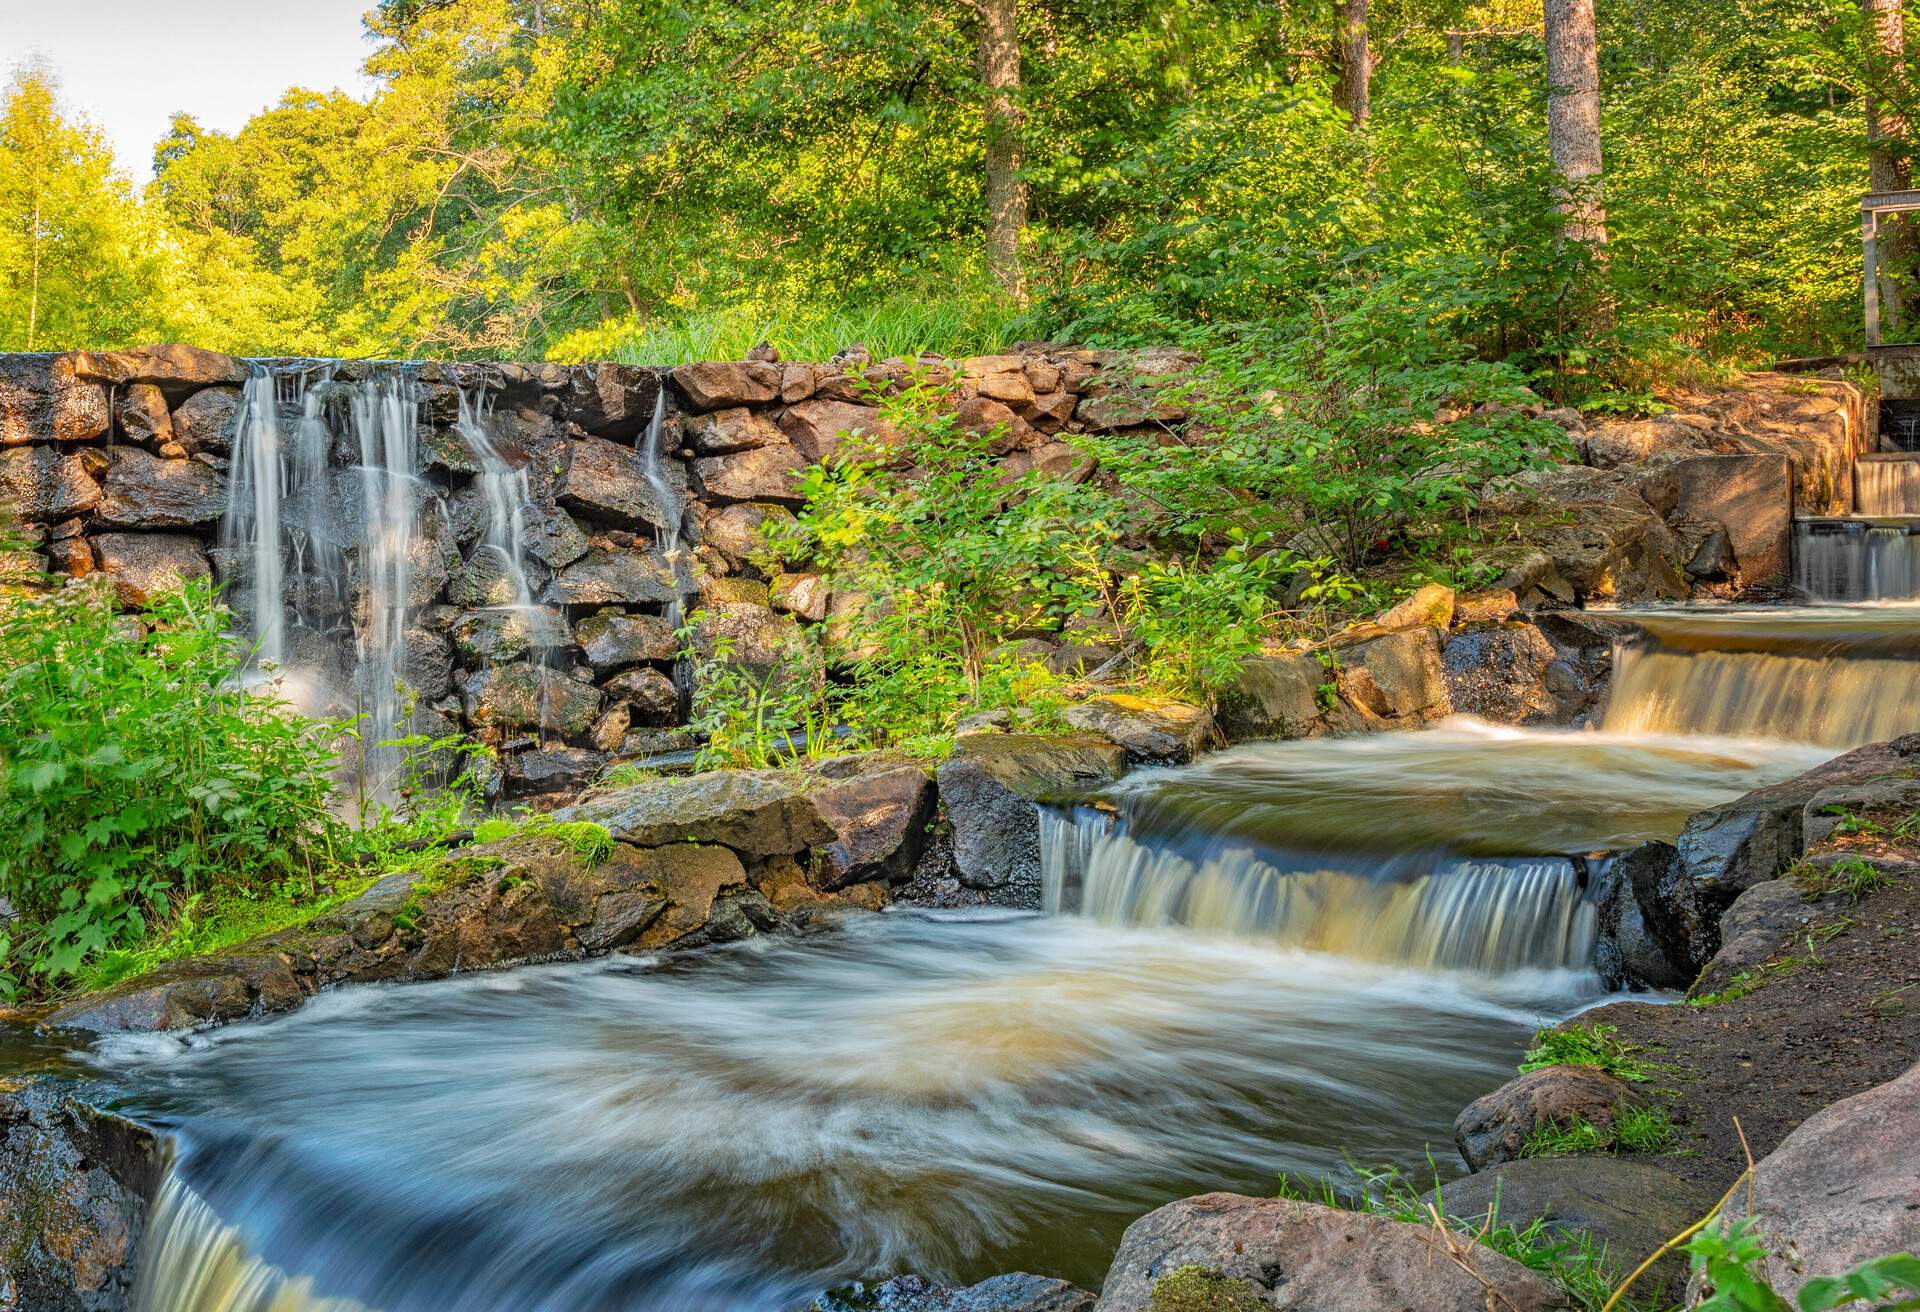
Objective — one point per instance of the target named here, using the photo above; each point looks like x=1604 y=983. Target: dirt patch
x=1832 y=1018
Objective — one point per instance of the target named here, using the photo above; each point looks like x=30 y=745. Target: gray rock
x=1275 y=696
x=552 y=769
x=879 y=807
x=1015 y=1292
x=1303 y=1257
x=607 y=482
x=1152 y=729
x=520 y=695
x=1499 y=673
x=208 y=420
x=74 y=1181
x=754 y=812
x=493 y=637
x=1628 y=953
x=803 y=596
x=989 y=787
x=143 y=491
x=1841 y=1189
x=604 y=578
x=651 y=695
x=735 y=530
x=1762 y=922
x=753 y=638
x=429 y=664
x=42 y=401
x=39 y=482
x=1495 y=1128
x=613 y=640
x=145 y=565
x=1628 y=1209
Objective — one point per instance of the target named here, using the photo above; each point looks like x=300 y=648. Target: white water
x=506 y=495
x=386 y=416
x=1886 y=485
x=673 y=512
x=1857 y=560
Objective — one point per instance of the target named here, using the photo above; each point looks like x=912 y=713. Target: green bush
x=135 y=774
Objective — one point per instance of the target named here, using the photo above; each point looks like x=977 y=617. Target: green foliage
x=1585 y=1045
x=135 y=774
x=1725 y=1257
x=1196 y=1289
x=1633 y=1130
x=588 y=841
x=1851 y=877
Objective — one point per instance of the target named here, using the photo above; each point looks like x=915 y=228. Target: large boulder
x=143 y=491
x=1499 y=672
x=608 y=482
x=1397 y=676
x=757 y=813
x=74 y=1182
x=610 y=400
x=990 y=786
x=1303 y=1257
x=1763 y=922
x=1277 y=695
x=613 y=640
x=1750 y=497
x=818 y=428
x=1840 y=1190
x=146 y=565
x=522 y=695
x=1495 y=1128
x=1152 y=729
x=718 y=385
x=764 y=473
x=604 y=578
x=175 y=369
x=42 y=401
x=878 y=806
x=1628 y=1209
x=1627 y=953
x=42 y=483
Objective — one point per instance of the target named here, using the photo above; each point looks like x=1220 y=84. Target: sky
x=130 y=65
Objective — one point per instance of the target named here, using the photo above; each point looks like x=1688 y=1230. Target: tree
x=1573 y=116
x=1352 y=60
x=1006 y=189
x=1888 y=166
x=79 y=264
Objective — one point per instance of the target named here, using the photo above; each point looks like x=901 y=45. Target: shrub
x=135 y=774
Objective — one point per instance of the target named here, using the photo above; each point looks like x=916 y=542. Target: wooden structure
x=1873 y=207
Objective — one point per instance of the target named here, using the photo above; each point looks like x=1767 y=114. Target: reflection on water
x=957 y=1096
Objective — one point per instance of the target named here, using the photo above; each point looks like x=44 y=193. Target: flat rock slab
x=757 y=813
x=1152 y=729
x=1303 y=1257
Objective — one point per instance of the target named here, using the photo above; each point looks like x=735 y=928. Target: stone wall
x=119 y=463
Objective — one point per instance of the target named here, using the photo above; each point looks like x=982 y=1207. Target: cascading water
x=1857 y=559
x=505 y=495
x=1886 y=485
x=385 y=412
x=673 y=513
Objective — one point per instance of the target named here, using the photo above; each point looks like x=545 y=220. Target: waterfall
x=1886 y=485
x=1487 y=916
x=385 y=412
x=505 y=491
x=1837 y=677
x=195 y=1262
x=673 y=513
x=1856 y=560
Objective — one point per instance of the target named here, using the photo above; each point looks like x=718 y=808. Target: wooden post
x=1870 y=244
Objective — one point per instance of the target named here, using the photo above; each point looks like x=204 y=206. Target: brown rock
x=1303 y=1257
x=1158 y=729
x=760 y=813
x=1488 y=606
x=768 y=473
x=987 y=417
x=717 y=385
x=72 y=557
x=736 y=530
x=797 y=382
x=207 y=420
x=39 y=482
x=523 y=695
x=1430 y=606
x=726 y=431
x=174 y=368
x=802 y=595
x=1010 y=389
x=1044 y=377
x=1050 y=411
x=878 y=807
x=1495 y=1128
x=41 y=400
x=606 y=481
x=1397 y=676
x=143 y=415
x=651 y=694
x=144 y=491
x=819 y=428
x=145 y=565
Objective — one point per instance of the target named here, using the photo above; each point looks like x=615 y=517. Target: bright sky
x=129 y=65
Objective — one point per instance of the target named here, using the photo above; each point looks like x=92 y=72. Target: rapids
x=954 y=1094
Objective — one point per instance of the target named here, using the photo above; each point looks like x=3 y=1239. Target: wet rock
x=610 y=400
x=143 y=491
x=818 y=429
x=42 y=400
x=736 y=530
x=767 y=473
x=1304 y=1257
x=40 y=482
x=878 y=807
x=801 y=595
x=174 y=368
x=145 y=565
x=989 y=787
x=651 y=695
x=1627 y=953
x=754 y=812
x=553 y=537
x=1398 y=676
x=613 y=640
x=1015 y=1292
x=70 y=557
x=74 y=1181
x=207 y=420
x=717 y=385
x=1495 y=1128
x=1628 y=1209
x=553 y=769
x=608 y=482
x=726 y=431
x=1152 y=729
x=429 y=664
x=494 y=637
x=520 y=695
x=1275 y=696
x=1833 y=1195
x=754 y=639
x=144 y=417
x=604 y=578
x=1499 y=673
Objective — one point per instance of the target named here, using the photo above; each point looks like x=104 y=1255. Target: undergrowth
x=1586 y=1045
x=1633 y=1130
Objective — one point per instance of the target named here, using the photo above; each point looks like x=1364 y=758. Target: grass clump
x=1851 y=877
x=1634 y=1130
x=588 y=841
x=1196 y=1289
x=1586 y=1045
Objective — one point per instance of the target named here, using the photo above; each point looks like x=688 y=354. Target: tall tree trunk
x=1887 y=165
x=1352 y=62
x=1573 y=116
x=1006 y=190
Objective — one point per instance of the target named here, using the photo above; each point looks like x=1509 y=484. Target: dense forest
x=659 y=181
